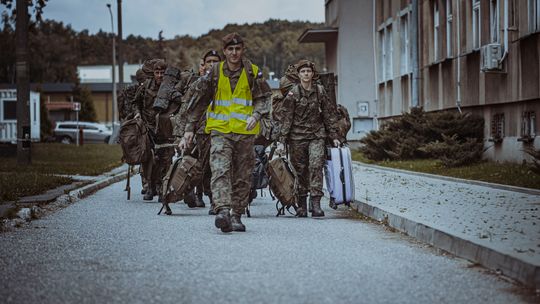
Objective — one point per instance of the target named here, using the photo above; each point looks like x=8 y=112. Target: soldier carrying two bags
x=303 y=109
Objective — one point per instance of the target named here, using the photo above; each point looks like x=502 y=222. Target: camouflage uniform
x=156 y=167
x=231 y=154
x=308 y=118
x=202 y=139
x=125 y=106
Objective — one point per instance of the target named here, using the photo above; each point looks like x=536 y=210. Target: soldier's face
x=233 y=53
x=306 y=74
x=209 y=62
x=158 y=76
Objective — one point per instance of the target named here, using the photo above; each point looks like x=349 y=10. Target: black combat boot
x=237 y=224
x=302 y=207
x=199 y=203
x=316 y=202
x=149 y=195
x=223 y=220
x=190 y=199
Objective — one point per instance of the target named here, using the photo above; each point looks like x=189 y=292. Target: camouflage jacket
x=180 y=118
x=308 y=114
x=126 y=108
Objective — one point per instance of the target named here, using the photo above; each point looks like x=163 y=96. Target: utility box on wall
x=8 y=116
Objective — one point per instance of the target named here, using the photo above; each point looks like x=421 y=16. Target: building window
x=10 y=110
x=534 y=15
x=405 y=51
x=494 y=21
x=387 y=50
x=528 y=126
x=497 y=127
x=476 y=28
x=435 y=30
x=449 y=22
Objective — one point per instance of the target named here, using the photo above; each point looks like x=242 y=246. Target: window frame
x=436 y=28
x=476 y=25
x=528 y=126
x=449 y=29
x=533 y=15
x=497 y=127
x=494 y=21
x=405 y=53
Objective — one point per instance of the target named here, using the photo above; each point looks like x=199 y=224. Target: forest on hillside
x=56 y=49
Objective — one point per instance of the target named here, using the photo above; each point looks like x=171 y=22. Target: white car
x=66 y=132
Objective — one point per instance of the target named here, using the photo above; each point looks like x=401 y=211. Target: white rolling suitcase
x=339 y=176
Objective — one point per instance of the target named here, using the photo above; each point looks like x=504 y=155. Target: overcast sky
x=178 y=17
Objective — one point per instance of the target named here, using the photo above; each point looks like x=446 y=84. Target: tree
x=83 y=95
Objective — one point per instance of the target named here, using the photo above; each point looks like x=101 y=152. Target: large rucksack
x=344 y=122
x=135 y=142
x=283 y=182
x=183 y=175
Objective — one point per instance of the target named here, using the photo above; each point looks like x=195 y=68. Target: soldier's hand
x=188 y=137
x=280 y=148
x=251 y=123
x=182 y=144
x=337 y=143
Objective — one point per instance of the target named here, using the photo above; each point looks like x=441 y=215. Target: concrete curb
x=75 y=195
x=454 y=179
x=524 y=272
x=87 y=190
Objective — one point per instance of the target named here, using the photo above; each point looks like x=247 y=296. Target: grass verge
x=487 y=171
x=49 y=159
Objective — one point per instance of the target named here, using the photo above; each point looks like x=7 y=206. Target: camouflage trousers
x=203 y=147
x=155 y=168
x=308 y=158
x=231 y=163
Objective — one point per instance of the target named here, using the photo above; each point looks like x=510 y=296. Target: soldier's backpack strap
x=215 y=81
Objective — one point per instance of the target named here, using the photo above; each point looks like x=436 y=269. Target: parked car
x=66 y=132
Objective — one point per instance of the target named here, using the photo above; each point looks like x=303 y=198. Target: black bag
x=259 y=177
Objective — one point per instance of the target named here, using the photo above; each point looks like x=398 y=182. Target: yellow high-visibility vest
x=231 y=110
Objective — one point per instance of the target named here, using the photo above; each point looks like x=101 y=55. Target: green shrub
x=454 y=138
x=535 y=167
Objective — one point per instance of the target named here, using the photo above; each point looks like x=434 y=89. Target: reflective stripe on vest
x=231 y=110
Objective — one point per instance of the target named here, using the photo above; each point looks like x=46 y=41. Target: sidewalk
x=80 y=188
x=495 y=227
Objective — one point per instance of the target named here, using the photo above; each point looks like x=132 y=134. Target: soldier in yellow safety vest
x=234 y=96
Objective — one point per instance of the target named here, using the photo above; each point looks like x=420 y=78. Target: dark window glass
x=10 y=109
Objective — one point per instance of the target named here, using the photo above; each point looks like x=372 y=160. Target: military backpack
x=283 y=182
x=135 y=142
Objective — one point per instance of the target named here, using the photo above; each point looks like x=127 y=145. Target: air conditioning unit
x=491 y=55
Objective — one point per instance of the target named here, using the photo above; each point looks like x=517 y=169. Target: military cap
x=211 y=53
x=160 y=65
x=305 y=63
x=232 y=38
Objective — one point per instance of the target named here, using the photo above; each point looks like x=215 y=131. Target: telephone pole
x=119 y=47
x=23 y=85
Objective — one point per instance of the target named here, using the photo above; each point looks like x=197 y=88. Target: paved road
x=105 y=249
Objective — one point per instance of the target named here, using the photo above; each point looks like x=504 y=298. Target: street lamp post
x=114 y=105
